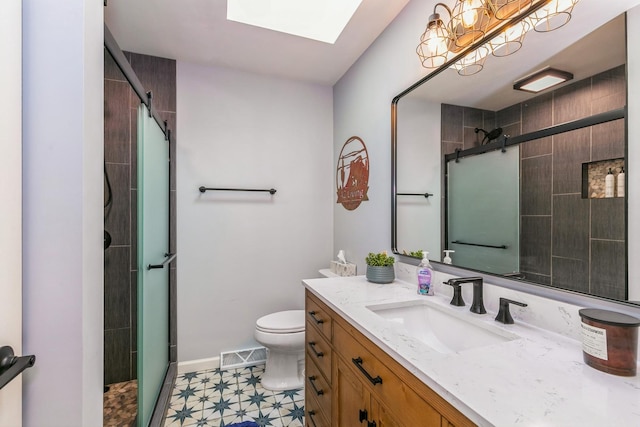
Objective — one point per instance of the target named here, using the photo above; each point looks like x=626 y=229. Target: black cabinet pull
x=313 y=316
x=312 y=378
x=318 y=354
x=364 y=416
x=358 y=362
x=311 y=414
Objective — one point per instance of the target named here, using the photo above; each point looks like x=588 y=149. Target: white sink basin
x=445 y=330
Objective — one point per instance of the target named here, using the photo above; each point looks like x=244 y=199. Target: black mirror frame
x=541 y=290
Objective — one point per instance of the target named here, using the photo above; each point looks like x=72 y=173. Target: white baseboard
x=198 y=365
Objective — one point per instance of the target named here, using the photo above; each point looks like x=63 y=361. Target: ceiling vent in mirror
x=542 y=80
x=505 y=21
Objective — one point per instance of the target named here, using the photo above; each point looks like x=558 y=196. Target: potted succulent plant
x=380 y=267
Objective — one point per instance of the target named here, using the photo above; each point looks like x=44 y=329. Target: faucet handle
x=504 y=316
x=457 y=293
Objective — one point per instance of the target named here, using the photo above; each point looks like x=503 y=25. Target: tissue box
x=340 y=269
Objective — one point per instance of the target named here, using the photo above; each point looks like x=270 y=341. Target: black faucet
x=504 y=316
x=477 y=306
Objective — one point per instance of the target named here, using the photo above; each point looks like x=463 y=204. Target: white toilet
x=282 y=333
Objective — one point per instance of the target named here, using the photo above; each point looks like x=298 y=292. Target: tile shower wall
x=566 y=241
x=120 y=275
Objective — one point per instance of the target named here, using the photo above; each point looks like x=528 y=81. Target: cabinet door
x=383 y=417
x=447 y=423
x=351 y=402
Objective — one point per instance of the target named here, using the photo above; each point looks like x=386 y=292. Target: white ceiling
x=198 y=31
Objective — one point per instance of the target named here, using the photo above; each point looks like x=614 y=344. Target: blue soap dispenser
x=425 y=276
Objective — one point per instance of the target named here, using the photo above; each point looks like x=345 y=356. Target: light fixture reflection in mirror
x=510 y=41
x=470 y=20
x=552 y=16
x=473 y=62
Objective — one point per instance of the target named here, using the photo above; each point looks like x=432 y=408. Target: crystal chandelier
x=471 y=20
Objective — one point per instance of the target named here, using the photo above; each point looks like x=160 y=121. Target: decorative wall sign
x=352 y=174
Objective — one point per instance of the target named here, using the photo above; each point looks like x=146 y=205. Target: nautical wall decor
x=352 y=174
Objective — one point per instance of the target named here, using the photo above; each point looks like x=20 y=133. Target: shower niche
x=594 y=176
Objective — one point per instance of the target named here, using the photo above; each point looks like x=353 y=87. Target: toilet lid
x=282 y=322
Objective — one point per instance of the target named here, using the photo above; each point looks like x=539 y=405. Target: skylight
x=321 y=20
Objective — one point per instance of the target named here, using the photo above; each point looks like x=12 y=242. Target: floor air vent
x=240 y=358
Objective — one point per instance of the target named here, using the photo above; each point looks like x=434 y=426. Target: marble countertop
x=538 y=379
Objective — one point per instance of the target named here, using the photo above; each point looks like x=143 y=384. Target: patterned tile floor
x=219 y=398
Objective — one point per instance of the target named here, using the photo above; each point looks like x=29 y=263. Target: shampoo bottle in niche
x=425 y=276
x=608 y=184
x=620 y=183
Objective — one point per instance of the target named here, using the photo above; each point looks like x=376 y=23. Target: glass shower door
x=484 y=211
x=153 y=259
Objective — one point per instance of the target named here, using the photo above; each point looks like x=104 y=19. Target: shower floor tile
x=121 y=404
x=223 y=397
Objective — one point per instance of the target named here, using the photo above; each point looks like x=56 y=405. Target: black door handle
x=169 y=258
x=11 y=366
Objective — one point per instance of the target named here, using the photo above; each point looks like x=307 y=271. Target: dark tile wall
x=566 y=241
x=120 y=277
x=458 y=126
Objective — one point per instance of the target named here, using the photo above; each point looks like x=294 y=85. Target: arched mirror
x=516 y=183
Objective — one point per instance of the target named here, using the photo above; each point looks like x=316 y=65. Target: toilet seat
x=283 y=322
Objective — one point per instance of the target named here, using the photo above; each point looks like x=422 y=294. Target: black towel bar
x=457 y=242
x=270 y=191
x=425 y=195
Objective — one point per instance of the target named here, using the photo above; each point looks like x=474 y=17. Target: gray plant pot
x=378 y=274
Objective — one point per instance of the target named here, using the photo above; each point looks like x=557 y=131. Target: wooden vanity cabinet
x=318 y=356
x=355 y=383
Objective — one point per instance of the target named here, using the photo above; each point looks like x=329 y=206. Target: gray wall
x=243 y=255
x=62 y=212
x=362 y=100
x=157 y=75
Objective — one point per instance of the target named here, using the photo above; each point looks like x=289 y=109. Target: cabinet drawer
x=313 y=414
x=403 y=402
x=318 y=317
x=318 y=350
x=317 y=387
